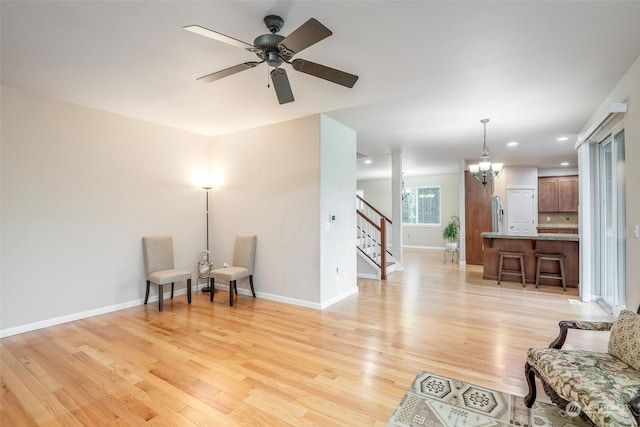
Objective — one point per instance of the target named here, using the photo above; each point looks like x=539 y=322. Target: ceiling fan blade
x=218 y=36
x=281 y=85
x=309 y=33
x=228 y=71
x=324 y=72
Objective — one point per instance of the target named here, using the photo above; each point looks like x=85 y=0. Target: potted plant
x=451 y=233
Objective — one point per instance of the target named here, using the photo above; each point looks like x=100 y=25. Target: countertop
x=558 y=226
x=534 y=236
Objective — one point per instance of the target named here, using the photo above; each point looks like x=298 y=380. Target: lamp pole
x=207 y=288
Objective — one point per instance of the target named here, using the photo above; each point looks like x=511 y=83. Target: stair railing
x=372 y=234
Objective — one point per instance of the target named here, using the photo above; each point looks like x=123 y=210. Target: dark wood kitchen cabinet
x=558 y=194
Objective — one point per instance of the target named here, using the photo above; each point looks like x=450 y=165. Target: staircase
x=373 y=241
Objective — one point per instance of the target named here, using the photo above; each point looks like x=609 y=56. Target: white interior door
x=521 y=211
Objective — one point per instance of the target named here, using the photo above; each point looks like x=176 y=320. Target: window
x=421 y=206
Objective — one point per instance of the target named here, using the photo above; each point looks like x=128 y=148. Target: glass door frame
x=610 y=219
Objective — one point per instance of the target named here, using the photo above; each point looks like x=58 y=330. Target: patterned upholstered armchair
x=606 y=386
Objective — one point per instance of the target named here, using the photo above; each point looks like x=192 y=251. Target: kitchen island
x=530 y=244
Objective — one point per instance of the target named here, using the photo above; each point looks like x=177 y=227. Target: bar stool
x=520 y=272
x=559 y=258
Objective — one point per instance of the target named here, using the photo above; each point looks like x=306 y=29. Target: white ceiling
x=429 y=71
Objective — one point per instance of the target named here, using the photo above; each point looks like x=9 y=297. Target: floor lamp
x=207 y=288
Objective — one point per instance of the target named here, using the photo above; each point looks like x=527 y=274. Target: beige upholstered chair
x=244 y=252
x=158 y=266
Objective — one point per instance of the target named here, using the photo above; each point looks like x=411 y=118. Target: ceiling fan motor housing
x=268 y=49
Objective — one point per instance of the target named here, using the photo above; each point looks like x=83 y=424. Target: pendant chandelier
x=484 y=171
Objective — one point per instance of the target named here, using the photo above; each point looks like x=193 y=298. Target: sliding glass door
x=611 y=269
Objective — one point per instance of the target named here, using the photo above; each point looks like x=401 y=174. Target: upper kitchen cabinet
x=558 y=194
x=548 y=194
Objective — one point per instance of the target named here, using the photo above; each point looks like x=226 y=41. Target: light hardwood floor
x=267 y=363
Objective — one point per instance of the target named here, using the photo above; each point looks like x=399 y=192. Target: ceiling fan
x=275 y=50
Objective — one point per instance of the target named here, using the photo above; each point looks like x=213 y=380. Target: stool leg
x=522 y=271
x=564 y=283
x=500 y=269
x=538 y=273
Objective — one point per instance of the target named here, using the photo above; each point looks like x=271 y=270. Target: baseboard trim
x=368 y=276
x=339 y=298
x=295 y=301
x=154 y=299
x=423 y=247
x=89 y=313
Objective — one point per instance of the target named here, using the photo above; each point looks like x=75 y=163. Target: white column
x=462 y=255
x=396 y=203
x=587 y=227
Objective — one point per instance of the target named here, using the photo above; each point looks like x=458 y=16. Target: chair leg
x=211 y=289
x=500 y=269
x=530 y=374
x=188 y=291
x=253 y=291
x=160 y=297
x=524 y=284
x=564 y=282
x=172 y=283
x=146 y=296
x=232 y=284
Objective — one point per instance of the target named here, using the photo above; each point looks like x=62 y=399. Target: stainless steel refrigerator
x=497 y=215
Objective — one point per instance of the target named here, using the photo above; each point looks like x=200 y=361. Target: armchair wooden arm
x=565 y=325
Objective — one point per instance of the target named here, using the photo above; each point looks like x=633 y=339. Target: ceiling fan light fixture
x=273 y=59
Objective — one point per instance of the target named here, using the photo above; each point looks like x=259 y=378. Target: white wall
x=565 y=171
x=338 y=272
x=80 y=187
x=632 y=160
x=378 y=193
x=272 y=188
x=627 y=90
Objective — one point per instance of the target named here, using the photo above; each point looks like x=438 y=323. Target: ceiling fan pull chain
x=268 y=84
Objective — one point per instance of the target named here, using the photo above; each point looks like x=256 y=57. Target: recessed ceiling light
x=563 y=138
x=368 y=162
x=512 y=144
x=564 y=164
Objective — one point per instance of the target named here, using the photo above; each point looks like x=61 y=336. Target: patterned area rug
x=435 y=401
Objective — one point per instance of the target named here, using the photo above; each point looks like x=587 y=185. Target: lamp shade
x=496 y=167
x=484 y=166
x=475 y=168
